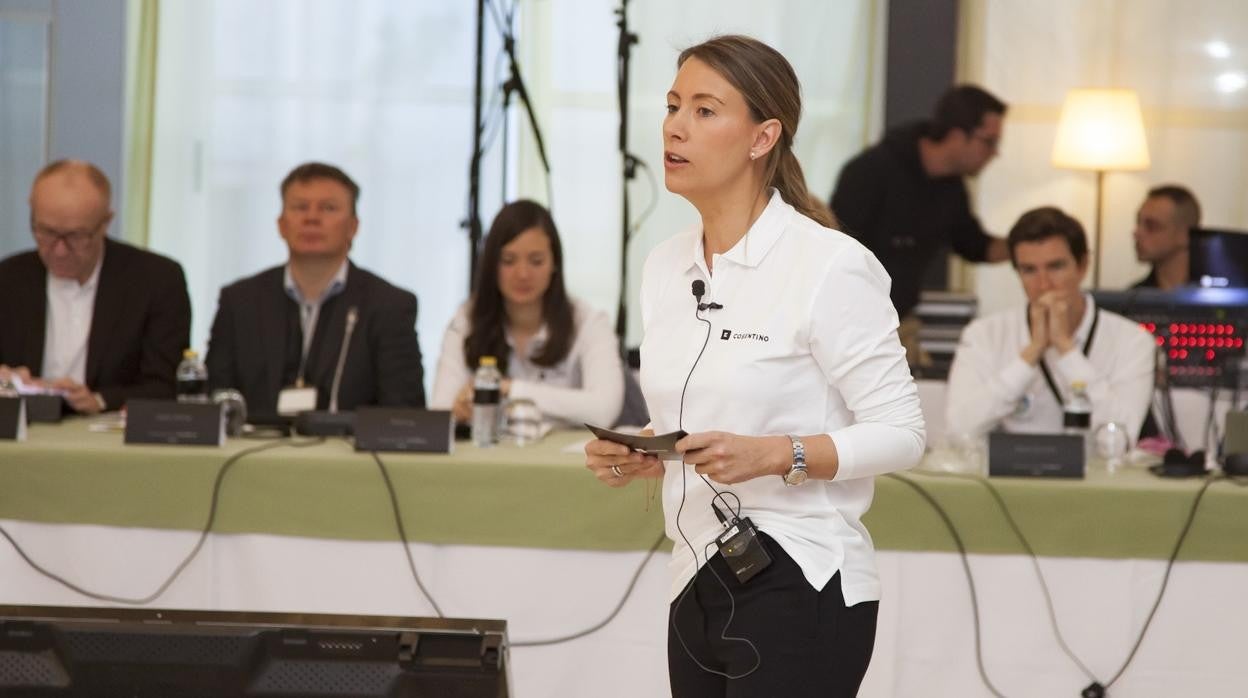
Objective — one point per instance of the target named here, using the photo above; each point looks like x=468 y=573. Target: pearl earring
x=753 y=155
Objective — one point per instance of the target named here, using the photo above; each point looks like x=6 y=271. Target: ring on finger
x=615 y=469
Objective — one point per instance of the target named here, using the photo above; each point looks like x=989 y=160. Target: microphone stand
x=472 y=222
x=331 y=422
x=508 y=87
x=517 y=83
x=629 y=161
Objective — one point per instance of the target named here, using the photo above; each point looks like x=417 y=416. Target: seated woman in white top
x=558 y=352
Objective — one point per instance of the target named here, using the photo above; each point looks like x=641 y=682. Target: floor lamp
x=1102 y=131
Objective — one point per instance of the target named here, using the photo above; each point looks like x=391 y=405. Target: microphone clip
x=699 y=289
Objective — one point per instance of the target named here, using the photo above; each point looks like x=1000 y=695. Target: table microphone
x=332 y=422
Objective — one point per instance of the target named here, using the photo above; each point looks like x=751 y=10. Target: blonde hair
x=771 y=90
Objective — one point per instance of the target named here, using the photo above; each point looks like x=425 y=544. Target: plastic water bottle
x=486 y=399
x=1077 y=415
x=1241 y=384
x=192 y=378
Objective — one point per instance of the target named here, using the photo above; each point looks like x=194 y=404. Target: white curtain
x=246 y=90
x=833 y=46
x=24 y=69
x=1187 y=60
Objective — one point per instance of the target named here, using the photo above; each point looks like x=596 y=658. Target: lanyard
x=1087 y=346
x=308 y=315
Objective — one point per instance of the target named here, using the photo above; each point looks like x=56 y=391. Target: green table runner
x=542 y=496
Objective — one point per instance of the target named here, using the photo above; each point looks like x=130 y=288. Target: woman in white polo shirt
x=552 y=349
x=789 y=377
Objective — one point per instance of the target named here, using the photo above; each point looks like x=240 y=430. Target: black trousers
x=805 y=642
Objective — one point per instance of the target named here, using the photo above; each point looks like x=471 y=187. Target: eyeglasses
x=74 y=239
x=993 y=142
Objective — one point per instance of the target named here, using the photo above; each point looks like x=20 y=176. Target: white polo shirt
x=990 y=385
x=806 y=343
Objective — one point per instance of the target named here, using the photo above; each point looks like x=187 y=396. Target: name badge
x=292 y=401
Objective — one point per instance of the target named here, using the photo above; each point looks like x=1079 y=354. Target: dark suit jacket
x=140 y=325
x=249 y=351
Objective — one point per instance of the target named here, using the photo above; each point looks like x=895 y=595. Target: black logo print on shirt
x=750 y=336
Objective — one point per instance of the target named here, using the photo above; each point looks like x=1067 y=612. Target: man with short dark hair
x=905 y=197
x=1163 y=228
x=97 y=320
x=1015 y=369
x=278 y=336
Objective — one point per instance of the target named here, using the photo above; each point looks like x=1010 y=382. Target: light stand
x=473 y=220
x=629 y=162
x=516 y=83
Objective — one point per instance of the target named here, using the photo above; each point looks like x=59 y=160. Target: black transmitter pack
x=742 y=550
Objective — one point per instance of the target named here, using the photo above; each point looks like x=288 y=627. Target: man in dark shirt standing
x=905 y=198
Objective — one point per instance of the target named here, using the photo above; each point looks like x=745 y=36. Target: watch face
x=795 y=476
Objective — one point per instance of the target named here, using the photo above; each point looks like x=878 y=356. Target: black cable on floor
x=199 y=544
x=658 y=543
x=966 y=567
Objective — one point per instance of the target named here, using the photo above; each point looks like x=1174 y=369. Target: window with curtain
x=23 y=120
x=832 y=47
x=245 y=91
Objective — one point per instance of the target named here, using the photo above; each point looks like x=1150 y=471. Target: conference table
x=525 y=534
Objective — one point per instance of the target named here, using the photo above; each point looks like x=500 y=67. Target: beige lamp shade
x=1101 y=130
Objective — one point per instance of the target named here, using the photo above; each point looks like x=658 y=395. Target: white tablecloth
x=925 y=644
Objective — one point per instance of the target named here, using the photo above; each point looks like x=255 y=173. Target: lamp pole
x=1096 y=267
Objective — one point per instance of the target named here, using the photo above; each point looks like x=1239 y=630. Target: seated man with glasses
x=904 y=198
x=96 y=319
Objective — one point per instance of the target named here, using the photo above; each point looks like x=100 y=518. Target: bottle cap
x=489 y=361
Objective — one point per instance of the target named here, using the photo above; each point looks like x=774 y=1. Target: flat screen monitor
x=1219 y=258
x=145 y=653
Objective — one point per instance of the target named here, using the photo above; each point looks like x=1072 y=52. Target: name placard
x=44 y=408
x=12 y=419
x=171 y=422
x=403 y=429
x=1035 y=455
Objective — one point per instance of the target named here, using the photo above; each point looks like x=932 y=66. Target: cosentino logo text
x=727 y=335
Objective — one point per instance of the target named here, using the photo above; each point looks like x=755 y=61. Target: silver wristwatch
x=797 y=471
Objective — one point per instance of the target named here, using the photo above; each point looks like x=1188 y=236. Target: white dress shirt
x=990 y=384
x=310 y=308
x=586 y=386
x=71 y=306
x=806 y=343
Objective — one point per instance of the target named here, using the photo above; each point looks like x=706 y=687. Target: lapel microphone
x=699 y=290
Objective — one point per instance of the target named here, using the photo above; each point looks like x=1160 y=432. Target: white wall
x=1032 y=53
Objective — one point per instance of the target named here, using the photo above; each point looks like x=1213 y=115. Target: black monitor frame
x=1218 y=258
x=51 y=651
